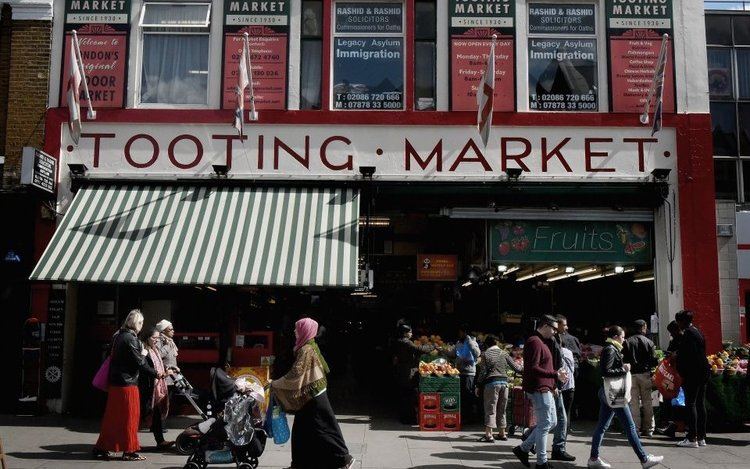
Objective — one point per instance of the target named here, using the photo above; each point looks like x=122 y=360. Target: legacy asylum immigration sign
x=102 y=28
x=472 y=25
x=544 y=241
x=267 y=24
x=634 y=33
x=338 y=151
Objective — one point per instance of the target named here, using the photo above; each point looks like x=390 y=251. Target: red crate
x=429 y=402
x=429 y=421
x=450 y=421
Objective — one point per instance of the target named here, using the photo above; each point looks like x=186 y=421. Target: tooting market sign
x=397 y=153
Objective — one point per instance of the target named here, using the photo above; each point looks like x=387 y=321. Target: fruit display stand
x=439 y=403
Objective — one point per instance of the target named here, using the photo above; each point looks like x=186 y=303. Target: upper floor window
x=425 y=55
x=563 y=74
x=311 y=54
x=174 y=59
x=368 y=56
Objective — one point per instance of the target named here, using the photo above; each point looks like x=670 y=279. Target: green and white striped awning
x=199 y=235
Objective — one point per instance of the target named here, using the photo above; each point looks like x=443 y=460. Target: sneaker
x=562 y=456
x=599 y=463
x=647 y=434
x=652 y=461
x=702 y=442
x=522 y=456
x=687 y=444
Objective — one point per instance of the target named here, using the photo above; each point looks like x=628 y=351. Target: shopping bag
x=667 y=380
x=617 y=391
x=276 y=424
x=101 y=379
x=679 y=401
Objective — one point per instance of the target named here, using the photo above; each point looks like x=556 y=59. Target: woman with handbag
x=153 y=389
x=119 y=431
x=614 y=397
x=317 y=442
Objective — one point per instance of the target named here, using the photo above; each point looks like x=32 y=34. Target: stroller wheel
x=245 y=465
x=184 y=444
x=193 y=465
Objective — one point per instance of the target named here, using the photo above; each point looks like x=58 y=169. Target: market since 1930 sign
x=545 y=241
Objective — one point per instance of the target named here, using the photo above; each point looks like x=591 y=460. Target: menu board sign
x=437 y=267
x=542 y=241
x=369 y=17
x=39 y=170
x=55 y=340
x=558 y=18
x=634 y=32
x=102 y=29
x=267 y=24
x=472 y=25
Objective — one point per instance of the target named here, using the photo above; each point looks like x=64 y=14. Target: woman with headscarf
x=153 y=389
x=166 y=347
x=317 y=442
x=119 y=431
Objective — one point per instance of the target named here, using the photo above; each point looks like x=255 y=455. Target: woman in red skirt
x=119 y=430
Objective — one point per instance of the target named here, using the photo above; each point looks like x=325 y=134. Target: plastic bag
x=667 y=380
x=679 y=401
x=279 y=424
x=617 y=391
x=239 y=419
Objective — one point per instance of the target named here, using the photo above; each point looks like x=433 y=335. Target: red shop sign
x=437 y=267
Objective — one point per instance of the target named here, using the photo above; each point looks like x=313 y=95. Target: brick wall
x=4 y=70
x=727 y=248
x=30 y=45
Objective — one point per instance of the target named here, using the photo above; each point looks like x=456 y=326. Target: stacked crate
x=439 y=403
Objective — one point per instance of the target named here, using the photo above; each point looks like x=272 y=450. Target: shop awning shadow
x=339 y=232
x=69 y=452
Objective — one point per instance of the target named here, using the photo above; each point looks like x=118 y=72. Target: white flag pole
x=253 y=112
x=79 y=59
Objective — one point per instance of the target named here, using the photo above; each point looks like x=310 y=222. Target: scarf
x=305 y=380
x=616 y=344
x=305 y=329
x=160 y=400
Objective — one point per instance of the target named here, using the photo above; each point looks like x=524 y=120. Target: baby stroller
x=234 y=435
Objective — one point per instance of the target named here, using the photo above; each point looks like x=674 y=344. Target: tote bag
x=101 y=379
x=617 y=391
x=276 y=424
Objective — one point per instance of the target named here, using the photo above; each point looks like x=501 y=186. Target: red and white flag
x=73 y=90
x=486 y=97
x=244 y=74
x=657 y=89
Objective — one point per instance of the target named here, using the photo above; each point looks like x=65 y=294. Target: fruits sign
x=544 y=241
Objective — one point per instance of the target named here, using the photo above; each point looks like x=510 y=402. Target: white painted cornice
x=31 y=9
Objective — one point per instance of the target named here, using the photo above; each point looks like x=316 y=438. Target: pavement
x=376 y=442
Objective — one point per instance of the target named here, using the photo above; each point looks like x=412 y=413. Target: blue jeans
x=626 y=420
x=546 y=418
x=561 y=429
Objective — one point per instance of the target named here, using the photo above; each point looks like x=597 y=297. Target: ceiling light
x=210 y=288
x=587 y=270
x=569 y=270
x=502 y=268
x=644 y=279
x=536 y=274
x=510 y=270
x=466 y=284
x=572 y=274
x=591 y=277
x=619 y=269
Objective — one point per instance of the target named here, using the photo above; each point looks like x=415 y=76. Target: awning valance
x=201 y=235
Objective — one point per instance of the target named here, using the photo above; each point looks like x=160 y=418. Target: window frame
x=522 y=55
x=332 y=35
x=417 y=40
x=141 y=31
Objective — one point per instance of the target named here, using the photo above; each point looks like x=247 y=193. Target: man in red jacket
x=539 y=377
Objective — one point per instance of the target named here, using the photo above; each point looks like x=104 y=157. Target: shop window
x=368 y=56
x=720 y=73
x=741 y=27
x=174 y=54
x=718 y=29
x=743 y=73
x=425 y=55
x=562 y=56
x=743 y=111
x=311 y=55
x=725 y=174
x=723 y=122
x=746 y=180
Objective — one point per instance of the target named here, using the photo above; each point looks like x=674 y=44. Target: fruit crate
x=450 y=422
x=439 y=384
x=429 y=421
x=450 y=402
x=429 y=402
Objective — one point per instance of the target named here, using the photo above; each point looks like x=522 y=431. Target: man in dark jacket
x=694 y=369
x=640 y=352
x=406 y=361
x=540 y=382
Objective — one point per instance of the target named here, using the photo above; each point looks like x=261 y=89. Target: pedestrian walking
x=539 y=382
x=612 y=366
x=406 y=361
x=640 y=352
x=570 y=342
x=466 y=352
x=492 y=377
x=317 y=442
x=694 y=369
x=119 y=429
x=167 y=348
x=153 y=389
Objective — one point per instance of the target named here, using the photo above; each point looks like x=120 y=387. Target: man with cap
x=167 y=348
x=406 y=362
x=640 y=352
